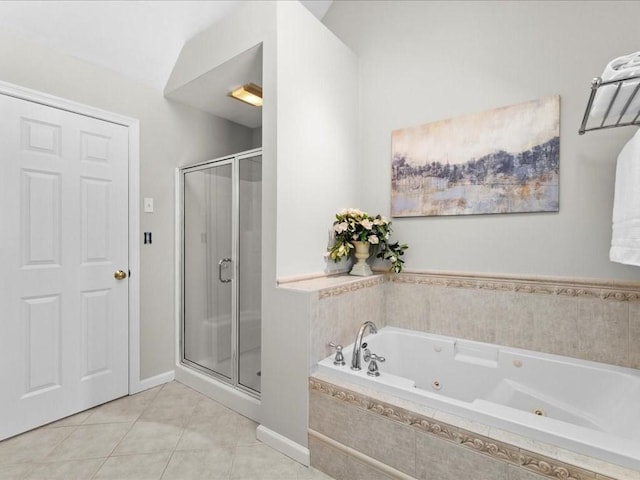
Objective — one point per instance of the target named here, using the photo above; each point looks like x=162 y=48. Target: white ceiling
x=139 y=39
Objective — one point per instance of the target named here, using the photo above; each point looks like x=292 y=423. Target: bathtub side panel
x=519 y=474
x=354 y=427
x=436 y=458
x=344 y=423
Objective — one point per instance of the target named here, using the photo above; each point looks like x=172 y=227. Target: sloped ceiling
x=139 y=39
x=209 y=91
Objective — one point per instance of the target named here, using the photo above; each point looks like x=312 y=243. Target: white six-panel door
x=63 y=235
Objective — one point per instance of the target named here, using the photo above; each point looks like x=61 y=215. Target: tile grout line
x=100 y=467
x=110 y=455
x=73 y=430
x=175 y=447
x=181 y=433
x=114 y=448
x=233 y=461
x=164 y=470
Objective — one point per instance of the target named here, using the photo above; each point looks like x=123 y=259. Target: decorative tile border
x=567 y=287
x=351 y=287
x=539 y=464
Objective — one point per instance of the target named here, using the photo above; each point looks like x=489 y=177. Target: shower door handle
x=223 y=265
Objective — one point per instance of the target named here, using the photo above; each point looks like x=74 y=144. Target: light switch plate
x=148 y=205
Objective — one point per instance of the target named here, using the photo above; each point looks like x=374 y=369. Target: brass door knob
x=120 y=275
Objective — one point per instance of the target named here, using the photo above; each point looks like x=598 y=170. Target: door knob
x=120 y=275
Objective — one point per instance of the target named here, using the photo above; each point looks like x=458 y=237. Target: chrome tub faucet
x=356 y=358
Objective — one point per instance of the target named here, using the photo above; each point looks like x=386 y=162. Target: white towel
x=625 y=238
x=620 y=64
x=621 y=67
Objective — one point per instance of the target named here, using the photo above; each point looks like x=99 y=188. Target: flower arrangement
x=353 y=225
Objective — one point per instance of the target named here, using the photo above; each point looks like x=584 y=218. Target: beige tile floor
x=169 y=432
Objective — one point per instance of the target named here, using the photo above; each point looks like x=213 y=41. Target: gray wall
x=316 y=176
x=170 y=135
x=425 y=61
x=317 y=148
x=309 y=172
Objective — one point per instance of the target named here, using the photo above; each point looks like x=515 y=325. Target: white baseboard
x=290 y=448
x=151 y=382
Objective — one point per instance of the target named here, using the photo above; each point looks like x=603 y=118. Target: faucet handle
x=372 y=356
x=377 y=358
x=373 y=359
x=339 y=357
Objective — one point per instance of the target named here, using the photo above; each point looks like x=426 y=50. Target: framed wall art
x=504 y=160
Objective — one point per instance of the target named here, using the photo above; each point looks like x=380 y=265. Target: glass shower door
x=208 y=287
x=222 y=269
x=249 y=270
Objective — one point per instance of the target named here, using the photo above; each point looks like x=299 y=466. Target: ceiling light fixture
x=249 y=93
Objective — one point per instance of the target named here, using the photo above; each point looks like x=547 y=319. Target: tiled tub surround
x=586 y=319
x=591 y=320
x=584 y=406
x=339 y=304
x=356 y=432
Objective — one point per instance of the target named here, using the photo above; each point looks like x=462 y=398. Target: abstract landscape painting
x=504 y=160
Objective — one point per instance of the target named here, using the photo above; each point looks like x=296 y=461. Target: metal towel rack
x=597 y=83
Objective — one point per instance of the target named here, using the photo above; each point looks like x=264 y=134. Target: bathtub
x=585 y=407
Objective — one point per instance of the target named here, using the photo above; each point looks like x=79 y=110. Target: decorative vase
x=361 y=268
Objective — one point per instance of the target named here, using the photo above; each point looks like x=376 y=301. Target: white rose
x=373 y=239
x=366 y=223
x=340 y=227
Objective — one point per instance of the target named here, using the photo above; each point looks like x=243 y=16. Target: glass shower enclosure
x=221 y=262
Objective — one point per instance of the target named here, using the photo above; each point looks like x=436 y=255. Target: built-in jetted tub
x=586 y=407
